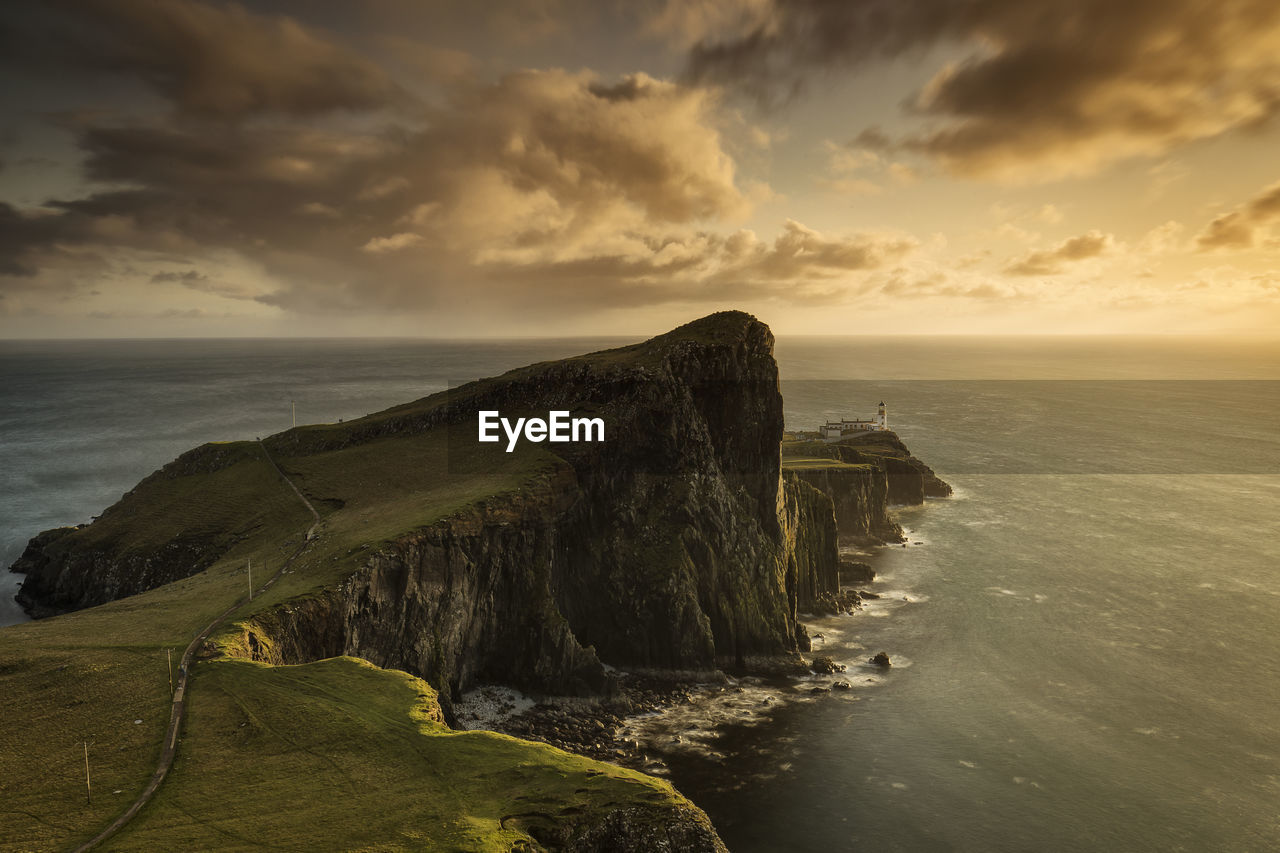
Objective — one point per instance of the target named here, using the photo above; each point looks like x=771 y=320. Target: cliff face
x=540 y=590
x=35 y=563
x=900 y=479
x=466 y=599
x=673 y=544
x=810 y=525
x=59 y=580
x=861 y=496
x=910 y=480
x=176 y=522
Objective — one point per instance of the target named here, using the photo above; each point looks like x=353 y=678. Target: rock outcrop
x=910 y=480
x=160 y=531
x=35 y=563
x=676 y=544
x=877 y=472
x=860 y=498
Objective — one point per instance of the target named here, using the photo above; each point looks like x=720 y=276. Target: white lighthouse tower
x=882 y=419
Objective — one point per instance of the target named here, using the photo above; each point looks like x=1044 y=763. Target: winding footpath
x=178 y=706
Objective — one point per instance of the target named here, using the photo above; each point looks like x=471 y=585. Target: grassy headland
x=336 y=754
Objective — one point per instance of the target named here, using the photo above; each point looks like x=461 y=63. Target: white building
x=836 y=430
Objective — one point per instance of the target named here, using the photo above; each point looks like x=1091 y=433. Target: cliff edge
x=673 y=544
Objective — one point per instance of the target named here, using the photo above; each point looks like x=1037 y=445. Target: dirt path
x=178 y=707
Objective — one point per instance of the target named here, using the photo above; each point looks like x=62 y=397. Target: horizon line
x=1238 y=336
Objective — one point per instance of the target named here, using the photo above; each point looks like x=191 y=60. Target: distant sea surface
x=1088 y=653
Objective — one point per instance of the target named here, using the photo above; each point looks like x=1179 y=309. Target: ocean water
x=1086 y=638
x=82 y=421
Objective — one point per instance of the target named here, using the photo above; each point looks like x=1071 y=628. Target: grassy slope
x=222 y=506
x=91 y=674
x=368 y=494
x=51 y=700
x=341 y=754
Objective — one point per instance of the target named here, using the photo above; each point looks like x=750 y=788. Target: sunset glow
x=555 y=167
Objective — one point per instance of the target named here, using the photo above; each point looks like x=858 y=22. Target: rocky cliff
x=897 y=479
x=674 y=544
x=860 y=495
x=910 y=480
x=174 y=523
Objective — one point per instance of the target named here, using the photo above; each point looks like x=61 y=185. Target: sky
x=177 y=168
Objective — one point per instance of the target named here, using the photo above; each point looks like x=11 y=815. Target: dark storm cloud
x=1242 y=227
x=216 y=60
x=271 y=168
x=21 y=235
x=1056 y=260
x=16 y=238
x=541 y=174
x=1063 y=83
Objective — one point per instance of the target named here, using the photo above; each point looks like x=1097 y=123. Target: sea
x=1085 y=638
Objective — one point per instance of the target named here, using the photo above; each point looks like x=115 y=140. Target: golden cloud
x=1054 y=87
x=1242 y=227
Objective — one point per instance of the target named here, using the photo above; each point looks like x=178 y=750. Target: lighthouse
x=882 y=419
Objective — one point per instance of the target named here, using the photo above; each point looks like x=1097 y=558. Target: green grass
x=53 y=699
x=339 y=754
x=90 y=674
x=805 y=462
x=369 y=494
x=221 y=493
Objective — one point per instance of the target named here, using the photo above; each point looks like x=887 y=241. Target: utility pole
x=168 y=653
x=251 y=579
x=88 y=790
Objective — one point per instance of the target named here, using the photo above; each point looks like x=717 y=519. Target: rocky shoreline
x=594 y=727
x=598 y=727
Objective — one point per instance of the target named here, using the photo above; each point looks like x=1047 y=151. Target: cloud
x=189 y=278
x=1049 y=213
x=803 y=253
x=222 y=61
x=687 y=22
x=1163 y=239
x=848 y=163
x=928 y=278
x=801 y=265
x=205 y=283
x=543 y=189
x=1242 y=228
x=1054 y=261
x=394 y=243
x=22 y=234
x=1061 y=86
